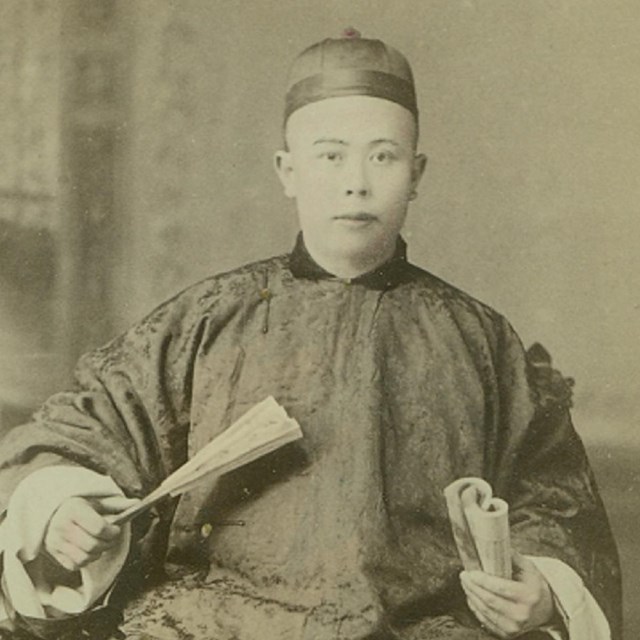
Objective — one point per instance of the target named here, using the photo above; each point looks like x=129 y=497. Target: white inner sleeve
x=21 y=535
x=38 y=496
x=579 y=610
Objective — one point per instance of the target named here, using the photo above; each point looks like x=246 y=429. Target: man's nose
x=362 y=192
x=356 y=180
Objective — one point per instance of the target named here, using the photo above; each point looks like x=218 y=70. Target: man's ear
x=283 y=165
x=419 y=166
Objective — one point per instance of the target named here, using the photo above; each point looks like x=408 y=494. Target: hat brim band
x=348 y=82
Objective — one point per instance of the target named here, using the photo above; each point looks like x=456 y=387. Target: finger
x=85 y=516
x=505 y=626
x=494 y=604
x=63 y=560
x=507 y=589
x=115 y=504
x=521 y=565
x=80 y=512
x=54 y=571
x=513 y=619
x=485 y=620
x=70 y=556
x=75 y=535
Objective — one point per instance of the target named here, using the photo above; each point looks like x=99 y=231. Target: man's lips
x=360 y=216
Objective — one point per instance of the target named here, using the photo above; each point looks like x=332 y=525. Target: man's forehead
x=352 y=119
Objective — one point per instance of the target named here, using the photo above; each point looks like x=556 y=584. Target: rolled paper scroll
x=480 y=525
x=263 y=429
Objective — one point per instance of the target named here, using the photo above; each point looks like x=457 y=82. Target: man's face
x=351 y=167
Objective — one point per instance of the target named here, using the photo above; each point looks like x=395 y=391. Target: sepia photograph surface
x=145 y=149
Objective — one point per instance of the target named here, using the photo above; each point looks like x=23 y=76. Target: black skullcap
x=350 y=65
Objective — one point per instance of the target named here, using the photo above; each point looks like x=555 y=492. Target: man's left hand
x=509 y=608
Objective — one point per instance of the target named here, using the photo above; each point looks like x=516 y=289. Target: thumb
x=521 y=565
x=114 y=504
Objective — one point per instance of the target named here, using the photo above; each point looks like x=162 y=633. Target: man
x=401 y=384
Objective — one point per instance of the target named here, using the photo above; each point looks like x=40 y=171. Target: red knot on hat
x=350 y=32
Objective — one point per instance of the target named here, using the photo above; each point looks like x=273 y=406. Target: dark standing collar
x=388 y=275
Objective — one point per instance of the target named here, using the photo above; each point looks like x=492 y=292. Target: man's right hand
x=78 y=532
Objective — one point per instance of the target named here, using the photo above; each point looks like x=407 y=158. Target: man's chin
x=363 y=247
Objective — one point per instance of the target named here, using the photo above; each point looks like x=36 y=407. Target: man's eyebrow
x=346 y=144
x=330 y=141
x=385 y=141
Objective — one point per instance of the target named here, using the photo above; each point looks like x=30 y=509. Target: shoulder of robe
x=461 y=301
x=184 y=314
x=226 y=285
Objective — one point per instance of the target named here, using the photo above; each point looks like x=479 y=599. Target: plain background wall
x=529 y=115
x=530 y=121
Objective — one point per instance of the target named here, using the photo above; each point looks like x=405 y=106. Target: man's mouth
x=360 y=216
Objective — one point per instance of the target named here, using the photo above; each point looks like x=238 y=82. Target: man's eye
x=382 y=157
x=331 y=156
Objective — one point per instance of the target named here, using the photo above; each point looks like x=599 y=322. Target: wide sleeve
x=128 y=418
x=540 y=467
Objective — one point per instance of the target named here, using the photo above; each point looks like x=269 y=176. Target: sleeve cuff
x=21 y=534
x=581 y=614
